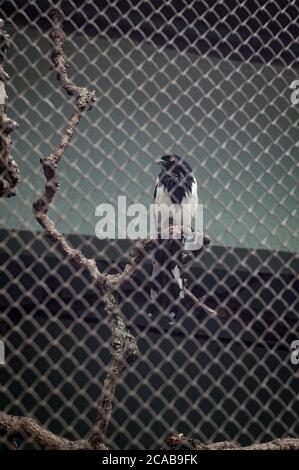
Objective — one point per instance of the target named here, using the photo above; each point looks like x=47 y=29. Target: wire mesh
x=208 y=80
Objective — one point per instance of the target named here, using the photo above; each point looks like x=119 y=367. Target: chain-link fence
x=207 y=80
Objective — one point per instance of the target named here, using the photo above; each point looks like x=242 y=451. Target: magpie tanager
x=176 y=186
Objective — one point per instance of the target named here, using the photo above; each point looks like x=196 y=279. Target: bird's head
x=172 y=163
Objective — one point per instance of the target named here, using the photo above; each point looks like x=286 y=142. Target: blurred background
x=207 y=80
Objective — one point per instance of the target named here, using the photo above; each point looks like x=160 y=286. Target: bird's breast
x=185 y=210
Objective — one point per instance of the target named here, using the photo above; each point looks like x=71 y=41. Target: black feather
x=155 y=192
x=176 y=177
x=178 y=187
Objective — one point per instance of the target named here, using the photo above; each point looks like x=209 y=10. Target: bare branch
x=123 y=343
x=180 y=442
x=19 y=425
x=9 y=171
x=84 y=100
x=198 y=302
x=124 y=348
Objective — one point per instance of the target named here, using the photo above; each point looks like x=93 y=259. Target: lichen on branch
x=9 y=171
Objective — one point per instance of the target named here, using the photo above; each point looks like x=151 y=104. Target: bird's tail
x=166 y=287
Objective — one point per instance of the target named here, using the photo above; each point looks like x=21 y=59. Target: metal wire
x=206 y=80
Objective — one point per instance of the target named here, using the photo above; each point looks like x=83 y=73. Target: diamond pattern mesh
x=206 y=80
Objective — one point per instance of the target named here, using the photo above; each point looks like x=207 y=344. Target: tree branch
x=20 y=425
x=124 y=348
x=180 y=442
x=123 y=343
x=9 y=171
x=84 y=100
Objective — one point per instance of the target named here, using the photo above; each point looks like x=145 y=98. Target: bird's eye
x=171 y=159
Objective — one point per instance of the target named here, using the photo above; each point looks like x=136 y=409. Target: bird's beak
x=159 y=161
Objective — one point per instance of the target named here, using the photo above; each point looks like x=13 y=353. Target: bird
x=175 y=189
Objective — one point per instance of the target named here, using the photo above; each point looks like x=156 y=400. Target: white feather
x=181 y=214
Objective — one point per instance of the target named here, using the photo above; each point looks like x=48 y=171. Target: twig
x=198 y=302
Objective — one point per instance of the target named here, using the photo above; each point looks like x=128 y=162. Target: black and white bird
x=176 y=188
